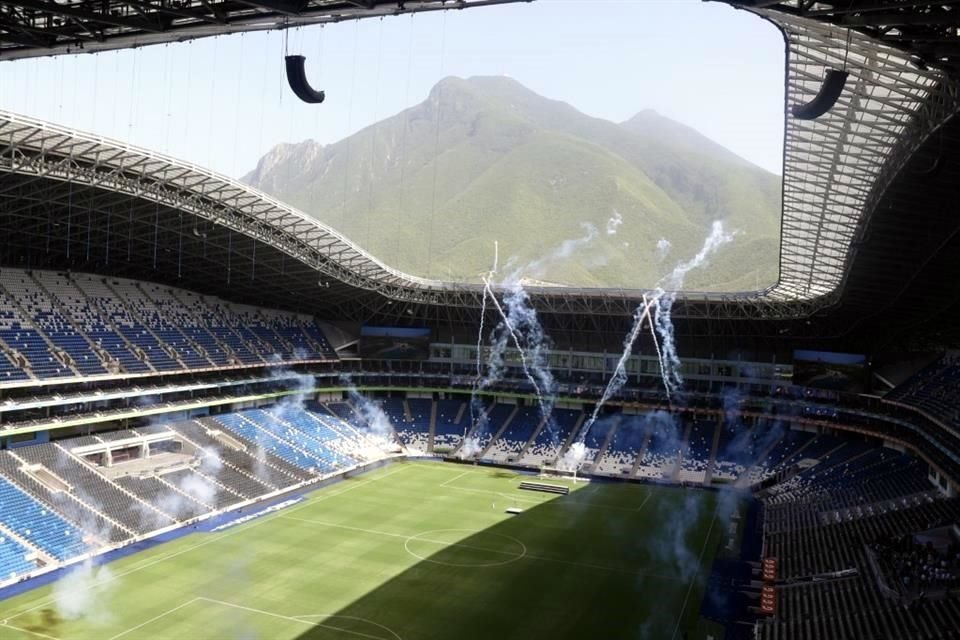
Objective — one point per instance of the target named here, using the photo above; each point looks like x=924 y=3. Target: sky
x=223 y=102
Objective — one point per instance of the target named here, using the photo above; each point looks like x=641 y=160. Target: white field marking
x=552 y=500
x=642 y=504
x=500 y=493
x=531 y=556
x=513 y=557
x=371 y=622
x=300 y=620
x=696 y=575
x=215 y=538
x=33 y=633
x=154 y=619
x=456 y=478
x=556 y=501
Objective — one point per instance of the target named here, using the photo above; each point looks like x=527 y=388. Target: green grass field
x=413 y=551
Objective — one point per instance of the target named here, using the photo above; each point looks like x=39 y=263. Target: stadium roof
x=31 y=28
x=928 y=32
x=147 y=215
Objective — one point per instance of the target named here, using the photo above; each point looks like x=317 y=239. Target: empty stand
x=58 y=325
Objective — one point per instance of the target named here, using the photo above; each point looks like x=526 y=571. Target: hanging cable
x=373 y=139
x=213 y=97
x=436 y=149
x=346 y=172
x=236 y=110
x=69 y=214
x=403 y=149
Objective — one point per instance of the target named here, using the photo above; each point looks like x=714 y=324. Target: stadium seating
x=18 y=335
x=71 y=508
x=57 y=325
x=514 y=438
x=449 y=431
x=261 y=437
x=248 y=473
x=854 y=593
x=13 y=559
x=414 y=433
x=627 y=442
x=490 y=424
x=64 y=506
x=189 y=324
x=552 y=436
x=93 y=489
x=115 y=310
x=935 y=389
x=88 y=320
x=31 y=520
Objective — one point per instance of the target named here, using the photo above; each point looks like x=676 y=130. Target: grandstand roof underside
x=867 y=221
x=31 y=28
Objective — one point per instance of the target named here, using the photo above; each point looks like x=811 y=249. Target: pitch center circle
x=479 y=549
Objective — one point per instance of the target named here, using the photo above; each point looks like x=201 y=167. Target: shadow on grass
x=593 y=565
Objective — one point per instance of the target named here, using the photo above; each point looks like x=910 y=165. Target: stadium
x=221 y=417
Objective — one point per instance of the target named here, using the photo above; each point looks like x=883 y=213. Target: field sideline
x=408 y=552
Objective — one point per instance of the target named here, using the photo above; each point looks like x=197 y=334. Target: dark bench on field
x=546 y=488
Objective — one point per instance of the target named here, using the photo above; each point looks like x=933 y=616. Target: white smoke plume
x=613 y=224
x=470 y=447
x=373 y=420
x=665 y=295
x=659 y=303
x=284 y=410
x=574 y=458
x=565 y=250
x=83 y=593
x=663 y=249
x=619 y=377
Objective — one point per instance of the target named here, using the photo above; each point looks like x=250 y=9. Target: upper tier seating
x=113 y=308
x=935 y=389
x=189 y=323
x=45 y=315
x=18 y=334
x=56 y=325
x=86 y=317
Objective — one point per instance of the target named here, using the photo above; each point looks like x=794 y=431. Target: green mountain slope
x=485 y=159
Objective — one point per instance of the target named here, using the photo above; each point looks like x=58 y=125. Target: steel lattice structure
x=836 y=171
x=30 y=28
x=925 y=30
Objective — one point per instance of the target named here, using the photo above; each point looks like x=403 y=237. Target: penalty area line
x=154 y=619
x=454 y=479
x=696 y=575
x=214 y=538
x=299 y=620
x=33 y=633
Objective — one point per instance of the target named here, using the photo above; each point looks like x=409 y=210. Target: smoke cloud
x=666 y=294
x=663 y=249
x=613 y=224
x=82 y=593
x=373 y=420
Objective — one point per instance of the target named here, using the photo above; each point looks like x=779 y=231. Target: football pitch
x=412 y=551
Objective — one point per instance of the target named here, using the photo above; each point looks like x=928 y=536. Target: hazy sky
x=223 y=102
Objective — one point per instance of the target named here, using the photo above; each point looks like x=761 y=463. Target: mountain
x=485 y=159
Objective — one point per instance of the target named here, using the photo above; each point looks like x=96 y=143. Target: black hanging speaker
x=825 y=99
x=297 y=77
